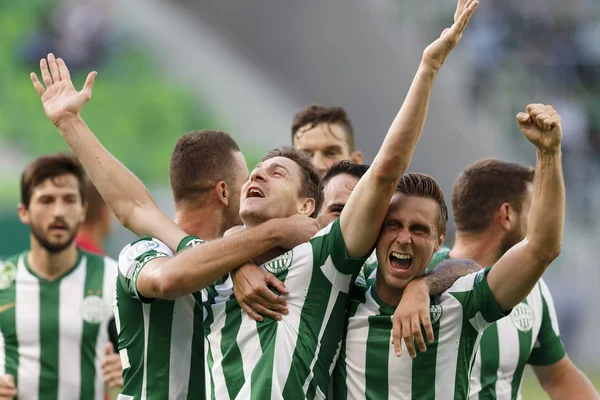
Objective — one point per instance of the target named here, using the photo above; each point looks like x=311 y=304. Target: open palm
x=436 y=53
x=60 y=99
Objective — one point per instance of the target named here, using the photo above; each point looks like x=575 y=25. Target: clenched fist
x=541 y=125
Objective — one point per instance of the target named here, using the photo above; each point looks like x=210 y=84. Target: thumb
x=276 y=283
x=10 y=380
x=523 y=118
x=109 y=349
x=89 y=82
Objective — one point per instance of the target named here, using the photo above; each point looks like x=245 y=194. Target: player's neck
x=204 y=222
x=389 y=295
x=51 y=266
x=483 y=248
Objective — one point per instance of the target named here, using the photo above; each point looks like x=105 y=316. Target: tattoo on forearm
x=447 y=272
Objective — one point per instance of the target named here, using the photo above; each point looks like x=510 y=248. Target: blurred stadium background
x=167 y=67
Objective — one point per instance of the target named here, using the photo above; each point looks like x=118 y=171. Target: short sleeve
x=328 y=244
x=548 y=348
x=134 y=257
x=476 y=297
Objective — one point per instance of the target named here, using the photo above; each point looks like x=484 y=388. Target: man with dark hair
x=55 y=299
x=327 y=134
x=158 y=305
x=491 y=202
x=97 y=225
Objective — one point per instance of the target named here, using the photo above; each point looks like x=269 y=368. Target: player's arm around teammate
x=515 y=274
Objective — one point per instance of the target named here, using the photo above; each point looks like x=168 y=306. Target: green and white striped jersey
x=369 y=369
x=53 y=334
x=161 y=342
x=292 y=358
x=530 y=335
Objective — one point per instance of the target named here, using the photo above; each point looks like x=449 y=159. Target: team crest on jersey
x=280 y=263
x=435 y=312
x=93 y=310
x=8 y=273
x=140 y=248
x=522 y=317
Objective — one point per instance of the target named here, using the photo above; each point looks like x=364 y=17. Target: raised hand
x=60 y=99
x=436 y=53
x=541 y=125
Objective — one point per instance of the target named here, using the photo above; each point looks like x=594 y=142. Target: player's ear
x=223 y=193
x=504 y=216
x=307 y=207
x=357 y=157
x=439 y=242
x=23 y=214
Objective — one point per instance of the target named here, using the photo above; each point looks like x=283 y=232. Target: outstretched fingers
x=37 y=85
x=53 y=68
x=463 y=20
x=63 y=70
x=45 y=72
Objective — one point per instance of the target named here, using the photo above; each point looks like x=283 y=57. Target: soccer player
x=55 y=299
x=491 y=200
x=160 y=322
x=326 y=133
x=414 y=227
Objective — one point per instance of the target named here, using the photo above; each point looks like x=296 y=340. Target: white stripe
x=479 y=323
x=356 y=350
x=207 y=376
x=180 y=357
x=399 y=383
x=2 y=354
x=333 y=295
x=27 y=315
x=339 y=280
x=551 y=310
x=475 y=382
x=508 y=345
x=449 y=335
x=323 y=231
x=108 y=295
x=297 y=283
x=249 y=344
x=146 y=312
x=465 y=283
x=214 y=339
x=70 y=328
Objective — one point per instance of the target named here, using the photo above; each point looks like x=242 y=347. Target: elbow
x=167 y=287
x=545 y=254
x=389 y=170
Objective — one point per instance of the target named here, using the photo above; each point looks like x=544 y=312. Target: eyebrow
x=277 y=165
x=340 y=205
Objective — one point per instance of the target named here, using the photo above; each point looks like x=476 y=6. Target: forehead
x=58 y=185
x=339 y=188
x=321 y=136
x=281 y=162
x=413 y=209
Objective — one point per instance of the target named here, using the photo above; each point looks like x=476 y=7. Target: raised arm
x=513 y=277
x=363 y=215
x=156 y=275
x=413 y=310
x=125 y=194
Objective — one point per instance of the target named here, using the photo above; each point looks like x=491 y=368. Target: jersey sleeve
x=548 y=348
x=134 y=257
x=478 y=303
x=329 y=247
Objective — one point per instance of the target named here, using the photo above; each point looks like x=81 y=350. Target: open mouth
x=255 y=192
x=400 y=260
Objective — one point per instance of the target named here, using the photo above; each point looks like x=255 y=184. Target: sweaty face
x=272 y=191
x=55 y=212
x=241 y=176
x=407 y=240
x=328 y=145
x=337 y=191
x=519 y=231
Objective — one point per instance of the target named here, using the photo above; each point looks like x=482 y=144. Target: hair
x=346 y=167
x=311 y=185
x=482 y=188
x=199 y=161
x=316 y=114
x=96 y=205
x=423 y=185
x=51 y=167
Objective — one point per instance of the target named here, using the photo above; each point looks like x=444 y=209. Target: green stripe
x=8 y=322
x=210 y=361
x=377 y=357
x=196 y=388
x=340 y=390
x=262 y=374
x=94 y=284
x=159 y=346
x=525 y=339
x=49 y=331
x=490 y=362
x=232 y=363
x=423 y=367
